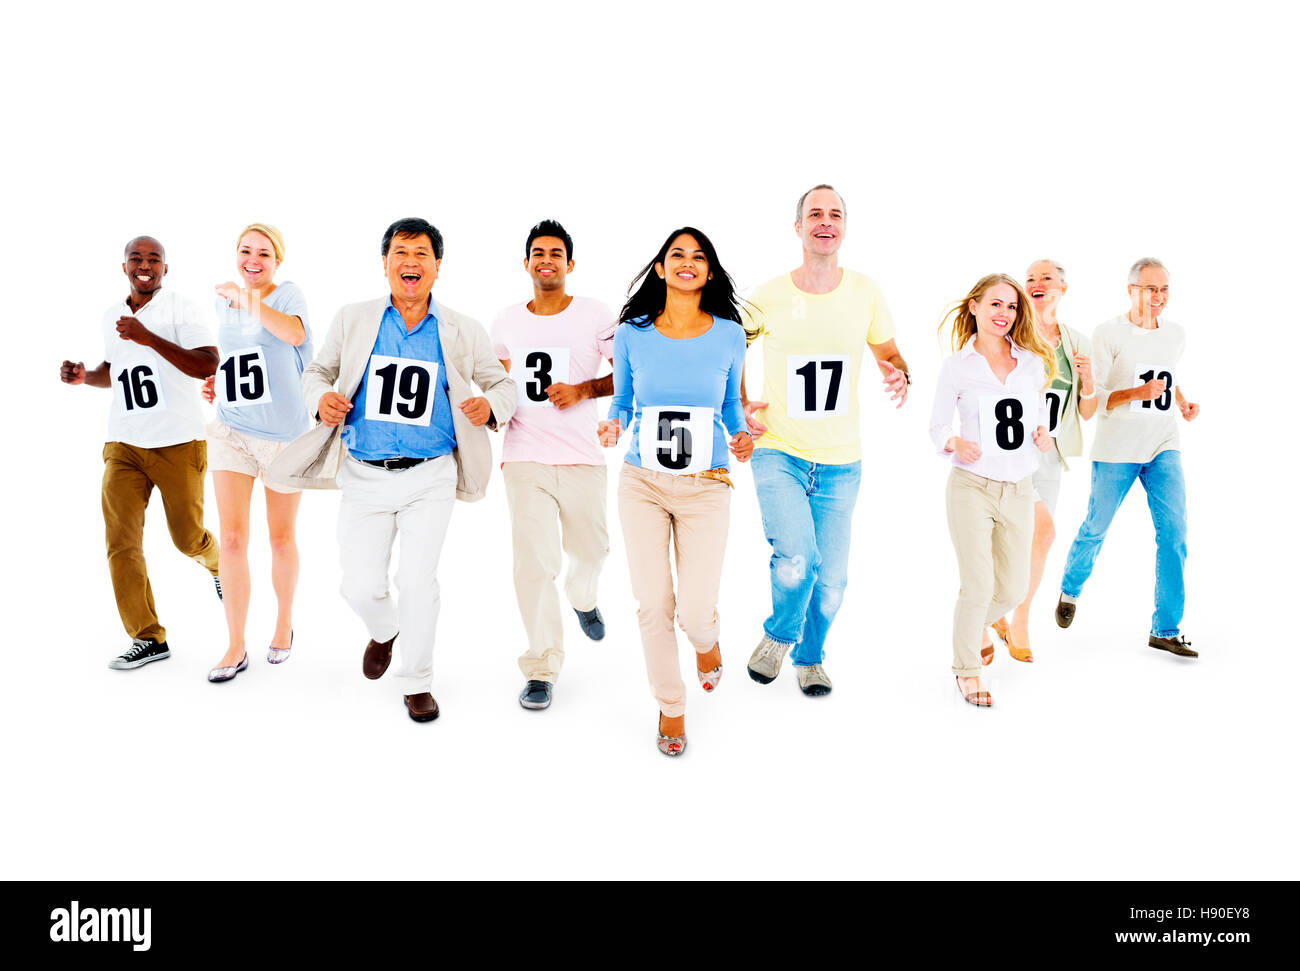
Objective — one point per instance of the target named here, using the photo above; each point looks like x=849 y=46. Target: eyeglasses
x=1152 y=291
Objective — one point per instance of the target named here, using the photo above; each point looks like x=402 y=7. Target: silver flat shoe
x=227 y=673
x=276 y=655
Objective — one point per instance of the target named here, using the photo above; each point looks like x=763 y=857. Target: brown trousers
x=130 y=475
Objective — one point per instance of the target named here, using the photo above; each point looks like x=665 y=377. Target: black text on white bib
x=140 y=388
x=816 y=385
x=1007 y=421
x=243 y=379
x=400 y=390
x=537 y=368
x=676 y=440
x=1055 y=402
x=1144 y=373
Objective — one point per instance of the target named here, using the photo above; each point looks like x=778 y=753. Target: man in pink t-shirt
x=554 y=346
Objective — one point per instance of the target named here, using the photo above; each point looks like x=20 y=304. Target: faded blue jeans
x=807 y=516
x=1162 y=478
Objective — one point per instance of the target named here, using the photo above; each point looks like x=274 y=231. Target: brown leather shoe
x=1177 y=644
x=377 y=657
x=421 y=707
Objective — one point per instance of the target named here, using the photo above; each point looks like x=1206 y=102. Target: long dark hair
x=718 y=296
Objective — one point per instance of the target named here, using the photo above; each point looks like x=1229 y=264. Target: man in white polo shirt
x=155 y=346
x=553 y=346
x=1135 y=361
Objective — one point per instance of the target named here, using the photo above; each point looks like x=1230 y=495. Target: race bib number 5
x=242 y=379
x=400 y=390
x=536 y=369
x=676 y=440
x=816 y=385
x=1144 y=373
x=1007 y=421
x=140 y=388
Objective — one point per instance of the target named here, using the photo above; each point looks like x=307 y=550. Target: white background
x=966 y=139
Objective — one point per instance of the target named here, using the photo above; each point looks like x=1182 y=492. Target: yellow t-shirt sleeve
x=881 y=328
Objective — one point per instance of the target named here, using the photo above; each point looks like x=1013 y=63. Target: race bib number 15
x=242 y=379
x=400 y=390
x=676 y=440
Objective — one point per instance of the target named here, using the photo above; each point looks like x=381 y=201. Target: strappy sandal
x=709 y=679
x=1003 y=630
x=980 y=699
x=671 y=744
x=986 y=655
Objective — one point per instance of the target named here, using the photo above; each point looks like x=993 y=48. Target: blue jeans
x=807 y=516
x=1162 y=478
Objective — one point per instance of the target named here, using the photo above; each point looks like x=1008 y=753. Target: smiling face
x=548 y=263
x=996 y=311
x=1150 y=294
x=411 y=267
x=684 y=266
x=256 y=260
x=821 y=224
x=1045 y=286
x=146 y=264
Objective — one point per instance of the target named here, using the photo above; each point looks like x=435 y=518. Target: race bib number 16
x=676 y=440
x=400 y=390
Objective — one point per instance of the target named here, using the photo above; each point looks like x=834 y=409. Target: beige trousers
x=545 y=501
x=992 y=529
x=691 y=514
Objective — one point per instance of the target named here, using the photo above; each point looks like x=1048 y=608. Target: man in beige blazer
x=402 y=435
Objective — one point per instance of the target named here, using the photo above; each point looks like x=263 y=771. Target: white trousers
x=376 y=506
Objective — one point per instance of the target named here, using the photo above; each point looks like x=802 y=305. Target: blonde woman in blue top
x=265 y=345
x=678 y=354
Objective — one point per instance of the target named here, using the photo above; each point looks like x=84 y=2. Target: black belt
x=393 y=465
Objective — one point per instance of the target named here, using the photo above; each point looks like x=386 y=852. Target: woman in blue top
x=678 y=355
x=265 y=345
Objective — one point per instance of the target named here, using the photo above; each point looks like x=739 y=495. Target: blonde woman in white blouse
x=995 y=382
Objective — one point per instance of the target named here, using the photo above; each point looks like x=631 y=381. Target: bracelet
x=1089 y=397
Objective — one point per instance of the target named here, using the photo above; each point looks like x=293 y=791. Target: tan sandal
x=1003 y=630
x=980 y=699
x=670 y=744
x=709 y=679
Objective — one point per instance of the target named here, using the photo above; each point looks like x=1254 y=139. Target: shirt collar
x=432 y=313
x=968 y=349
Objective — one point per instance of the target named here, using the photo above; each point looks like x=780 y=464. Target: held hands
x=742 y=445
x=333 y=408
x=70 y=373
x=1042 y=438
x=607 y=432
x=895 y=382
x=1083 y=368
x=209 y=389
x=1189 y=410
x=564 y=395
x=755 y=429
x=967 y=452
x=130 y=329
x=477 y=410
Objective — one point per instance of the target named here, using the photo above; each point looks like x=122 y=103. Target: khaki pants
x=130 y=475
x=691 y=513
x=545 y=500
x=992 y=529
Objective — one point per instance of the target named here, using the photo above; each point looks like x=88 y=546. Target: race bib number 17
x=816 y=385
x=676 y=440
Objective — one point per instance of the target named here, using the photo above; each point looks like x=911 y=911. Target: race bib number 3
x=816 y=385
x=1007 y=422
x=1055 y=402
x=140 y=388
x=400 y=390
x=536 y=369
x=242 y=379
x=676 y=440
x=1144 y=373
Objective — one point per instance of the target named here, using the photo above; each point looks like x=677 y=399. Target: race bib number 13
x=400 y=390
x=816 y=385
x=676 y=440
x=536 y=369
x=1144 y=373
x=1007 y=421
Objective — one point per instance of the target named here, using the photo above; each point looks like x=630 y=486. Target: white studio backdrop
x=965 y=139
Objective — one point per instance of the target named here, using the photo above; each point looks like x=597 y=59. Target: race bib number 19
x=242 y=379
x=400 y=390
x=536 y=369
x=1007 y=421
x=1144 y=373
x=676 y=440
x=816 y=385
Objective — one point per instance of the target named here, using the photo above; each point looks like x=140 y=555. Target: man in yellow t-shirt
x=807 y=465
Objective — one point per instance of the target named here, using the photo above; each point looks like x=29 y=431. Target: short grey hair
x=798 y=206
x=1136 y=269
x=1059 y=268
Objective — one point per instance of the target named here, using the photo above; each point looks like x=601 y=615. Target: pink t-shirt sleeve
x=500 y=338
x=605 y=336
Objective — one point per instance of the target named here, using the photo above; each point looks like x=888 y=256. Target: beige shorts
x=233 y=451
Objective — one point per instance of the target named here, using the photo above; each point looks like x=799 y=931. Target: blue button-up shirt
x=398 y=393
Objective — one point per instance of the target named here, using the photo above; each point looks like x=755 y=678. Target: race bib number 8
x=400 y=390
x=816 y=385
x=242 y=379
x=140 y=389
x=1007 y=422
x=536 y=369
x=676 y=440
x=1144 y=373
x=1055 y=402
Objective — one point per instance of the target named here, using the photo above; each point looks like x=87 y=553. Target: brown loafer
x=421 y=707
x=1064 y=612
x=1177 y=644
x=377 y=657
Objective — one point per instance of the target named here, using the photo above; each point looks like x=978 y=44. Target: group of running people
x=394 y=410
